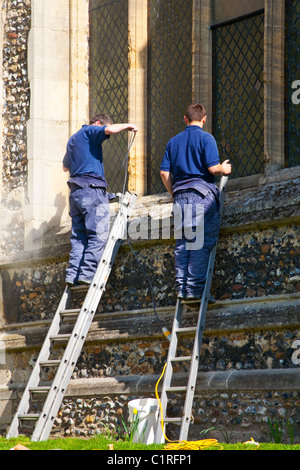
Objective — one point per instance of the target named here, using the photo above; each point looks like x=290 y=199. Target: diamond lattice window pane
x=109 y=78
x=292 y=74
x=169 y=78
x=238 y=97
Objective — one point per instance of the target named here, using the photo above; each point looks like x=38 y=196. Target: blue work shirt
x=188 y=156
x=84 y=158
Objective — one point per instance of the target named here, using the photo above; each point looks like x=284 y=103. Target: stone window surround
x=58 y=74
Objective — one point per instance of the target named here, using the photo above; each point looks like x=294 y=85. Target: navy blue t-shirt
x=189 y=154
x=84 y=152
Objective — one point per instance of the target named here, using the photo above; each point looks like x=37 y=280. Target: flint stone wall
x=248 y=265
x=16 y=16
x=258 y=255
x=248 y=370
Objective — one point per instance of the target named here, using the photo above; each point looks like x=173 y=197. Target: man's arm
x=116 y=128
x=221 y=169
x=167 y=180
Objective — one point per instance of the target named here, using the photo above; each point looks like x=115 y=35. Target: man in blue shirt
x=188 y=171
x=89 y=200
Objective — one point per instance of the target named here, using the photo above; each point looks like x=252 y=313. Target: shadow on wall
x=15 y=282
x=60 y=203
x=34 y=238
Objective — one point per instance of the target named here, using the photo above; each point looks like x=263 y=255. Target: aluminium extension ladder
x=186 y=418
x=54 y=394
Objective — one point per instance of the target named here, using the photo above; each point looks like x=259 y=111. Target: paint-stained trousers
x=191 y=263
x=89 y=209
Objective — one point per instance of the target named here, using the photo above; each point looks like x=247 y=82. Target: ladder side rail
x=33 y=381
x=197 y=343
x=222 y=189
x=187 y=411
x=117 y=234
x=97 y=287
x=85 y=318
x=43 y=428
x=72 y=352
x=160 y=438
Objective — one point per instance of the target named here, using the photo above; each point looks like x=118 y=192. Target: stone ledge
x=273 y=379
x=251 y=314
x=272 y=201
x=255 y=380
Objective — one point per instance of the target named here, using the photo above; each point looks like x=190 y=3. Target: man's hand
x=224 y=168
x=132 y=127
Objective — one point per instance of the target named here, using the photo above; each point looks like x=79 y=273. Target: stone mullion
x=137 y=92
x=274 y=85
x=201 y=53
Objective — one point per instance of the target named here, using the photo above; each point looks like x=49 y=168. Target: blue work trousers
x=191 y=263
x=89 y=209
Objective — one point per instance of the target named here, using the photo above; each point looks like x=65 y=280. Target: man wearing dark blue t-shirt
x=188 y=171
x=89 y=199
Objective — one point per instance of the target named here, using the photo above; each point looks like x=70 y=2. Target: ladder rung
x=50 y=363
x=191 y=302
x=29 y=417
x=182 y=331
x=60 y=337
x=181 y=358
x=176 y=389
x=70 y=313
x=172 y=420
x=80 y=288
x=41 y=389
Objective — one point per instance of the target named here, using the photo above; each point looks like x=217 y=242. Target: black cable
x=125 y=162
x=126 y=158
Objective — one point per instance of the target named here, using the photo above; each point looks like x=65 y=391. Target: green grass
x=101 y=443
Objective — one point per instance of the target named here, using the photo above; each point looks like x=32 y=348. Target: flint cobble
x=225 y=416
x=252 y=264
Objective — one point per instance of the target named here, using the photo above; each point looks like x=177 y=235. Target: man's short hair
x=195 y=112
x=103 y=118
